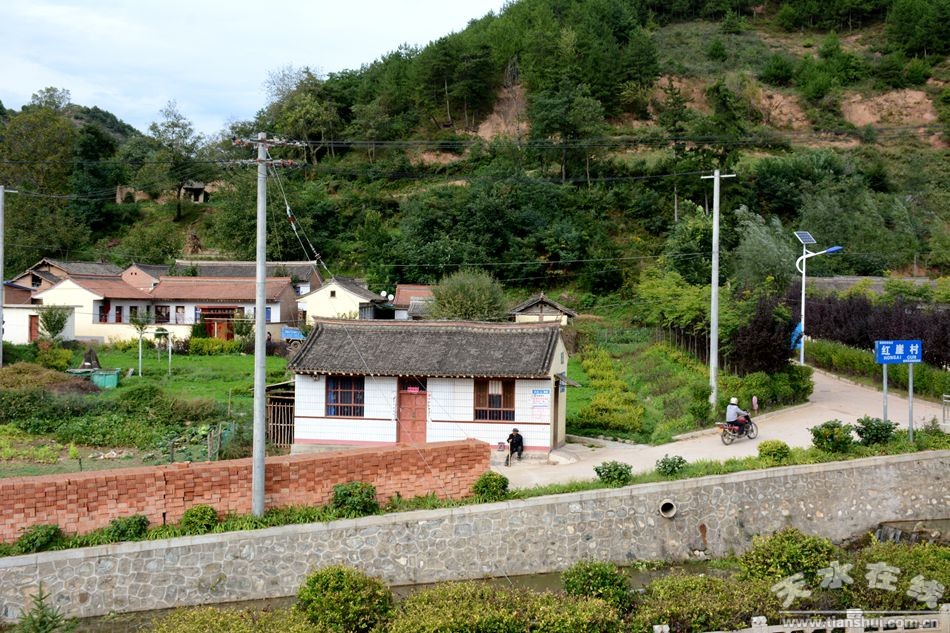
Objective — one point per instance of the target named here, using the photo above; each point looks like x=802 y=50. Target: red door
x=34 y=327
x=411 y=412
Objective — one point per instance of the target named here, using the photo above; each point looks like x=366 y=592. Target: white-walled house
x=104 y=305
x=366 y=383
x=338 y=298
x=21 y=324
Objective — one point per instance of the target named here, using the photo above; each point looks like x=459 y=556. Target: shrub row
x=212 y=346
x=791 y=386
x=842 y=359
x=613 y=406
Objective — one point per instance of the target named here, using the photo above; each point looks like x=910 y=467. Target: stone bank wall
x=712 y=516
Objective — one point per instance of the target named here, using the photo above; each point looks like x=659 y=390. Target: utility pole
x=2 y=255
x=714 y=299
x=260 y=322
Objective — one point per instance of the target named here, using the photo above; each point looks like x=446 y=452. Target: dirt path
x=833 y=398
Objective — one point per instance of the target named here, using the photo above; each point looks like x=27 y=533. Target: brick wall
x=81 y=502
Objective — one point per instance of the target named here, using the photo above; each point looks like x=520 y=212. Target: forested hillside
x=559 y=144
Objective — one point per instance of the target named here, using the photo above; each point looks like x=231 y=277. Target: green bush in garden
x=354 y=499
x=490 y=486
x=39 y=538
x=339 y=598
x=774 y=450
x=212 y=346
x=927 y=562
x=697 y=603
x=198 y=519
x=598 y=579
x=875 y=430
x=208 y=619
x=832 y=436
x=130 y=528
x=614 y=473
x=670 y=465
x=482 y=608
x=785 y=553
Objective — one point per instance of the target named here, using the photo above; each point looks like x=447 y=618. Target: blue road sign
x=898 y=352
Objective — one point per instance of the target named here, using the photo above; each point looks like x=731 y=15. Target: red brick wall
x=81 y=502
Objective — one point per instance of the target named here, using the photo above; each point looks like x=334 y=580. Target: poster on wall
x=541 y=405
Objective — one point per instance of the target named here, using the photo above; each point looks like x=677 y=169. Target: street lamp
x=806 y=239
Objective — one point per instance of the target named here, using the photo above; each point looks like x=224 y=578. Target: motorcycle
x=730 y=432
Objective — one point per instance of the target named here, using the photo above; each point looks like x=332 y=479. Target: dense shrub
x=54 y=358
x=785 y=553
x=774 y=450
x=789 y=386
x=490 y=486
x=481 y=608
x=597 y=579
x=198 y=519
x=875 y=430
x=670 y=466
x=778 y=71
x=21 y=405
x=354 y=499
x=39 y=538
x=339 y=598
x=13 y=354
x=691 y=604
x=613 y=406
x=207 y=619
x=212 y=346
x=614 y=473
x=110 y=430
x=131 y=528
x=832 y=436
x=930 y=562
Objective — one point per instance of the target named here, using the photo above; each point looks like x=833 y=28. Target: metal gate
x=280 y=422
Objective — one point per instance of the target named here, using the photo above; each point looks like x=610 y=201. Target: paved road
x=833 y=398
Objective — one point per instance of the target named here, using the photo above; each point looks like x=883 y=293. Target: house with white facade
x=47 y=272
x=341 y=298
x=104 y=306
x=21 y=324
x=378 y=383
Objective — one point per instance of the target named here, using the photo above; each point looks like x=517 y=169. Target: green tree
x=370 y=124
x=570 y=119
x=176 y=156
x=53 y=320
x=468 y=295
x=94 y=177
x=55 y=99
x=764 y=254
x=36 y=157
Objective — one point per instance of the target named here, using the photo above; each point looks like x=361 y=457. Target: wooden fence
x=280 y=422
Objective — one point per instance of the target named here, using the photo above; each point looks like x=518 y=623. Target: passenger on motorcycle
x=736 y=416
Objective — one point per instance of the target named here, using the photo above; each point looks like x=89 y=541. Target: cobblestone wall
x=82 y=502
x=712 y=516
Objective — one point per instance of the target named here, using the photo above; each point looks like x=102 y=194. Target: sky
x=212 y=57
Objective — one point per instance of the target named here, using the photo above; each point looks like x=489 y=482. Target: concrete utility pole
x=714 y=299
x=260 y=320
x=2 y=255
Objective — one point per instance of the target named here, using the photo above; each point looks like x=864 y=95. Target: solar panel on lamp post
x=806 y=239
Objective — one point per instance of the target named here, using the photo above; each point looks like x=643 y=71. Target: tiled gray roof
x=536 y=299
x=155 y=270
x=355 y=288
x=428 y=348
x=300 y=270
x=87 y=268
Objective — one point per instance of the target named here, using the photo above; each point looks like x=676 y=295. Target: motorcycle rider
x=736 y=416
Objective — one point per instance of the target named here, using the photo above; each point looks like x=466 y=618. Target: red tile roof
x=241 y=289
x=109 y=287
x=405 y=293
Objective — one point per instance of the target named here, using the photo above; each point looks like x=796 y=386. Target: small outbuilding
x=366 y=383
x=540 y=308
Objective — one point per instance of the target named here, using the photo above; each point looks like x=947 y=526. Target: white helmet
x=733 y=400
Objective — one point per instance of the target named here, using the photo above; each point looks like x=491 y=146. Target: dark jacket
x=516 y=441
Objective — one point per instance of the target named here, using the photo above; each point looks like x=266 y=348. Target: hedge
x=212 y=346
x=842 y=359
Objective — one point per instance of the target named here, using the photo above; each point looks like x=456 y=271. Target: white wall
x=312 y=426
x=319 y=303
x=16 y=324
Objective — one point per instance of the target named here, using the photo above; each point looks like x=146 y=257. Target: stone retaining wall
x=712 y=516
x=82 y=502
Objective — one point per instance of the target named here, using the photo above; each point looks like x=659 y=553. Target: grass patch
x=680 y=47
